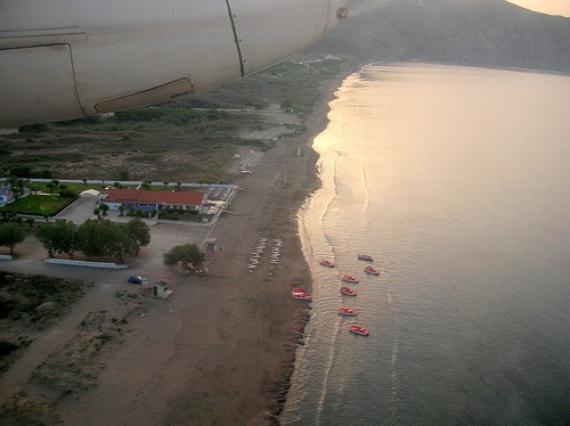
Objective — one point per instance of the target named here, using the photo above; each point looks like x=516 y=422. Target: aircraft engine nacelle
x=63 y=59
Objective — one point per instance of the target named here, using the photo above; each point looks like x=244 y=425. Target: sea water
x=457 y=181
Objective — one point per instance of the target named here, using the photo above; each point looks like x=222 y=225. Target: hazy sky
x=554 y=7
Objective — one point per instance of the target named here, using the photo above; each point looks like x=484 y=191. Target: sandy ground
x=220 y=350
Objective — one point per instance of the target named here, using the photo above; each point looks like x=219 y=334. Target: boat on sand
x=301 y=294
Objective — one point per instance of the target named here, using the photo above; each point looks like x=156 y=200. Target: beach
x=221 y=349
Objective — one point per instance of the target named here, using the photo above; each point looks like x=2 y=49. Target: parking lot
x=164 y=236
x=79 y=211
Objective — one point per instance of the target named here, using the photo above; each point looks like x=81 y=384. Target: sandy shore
x=221 y=350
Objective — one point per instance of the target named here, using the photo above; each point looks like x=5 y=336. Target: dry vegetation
x=28 y=305
x=76 y=366
x=191 y=138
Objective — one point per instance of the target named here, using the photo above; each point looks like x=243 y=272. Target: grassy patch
x=41 y=205
x=76 y=188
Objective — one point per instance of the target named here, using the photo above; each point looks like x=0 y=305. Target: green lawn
x=75 y=187
x=39 y=205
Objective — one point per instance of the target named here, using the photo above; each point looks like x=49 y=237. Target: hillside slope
x=476 y=32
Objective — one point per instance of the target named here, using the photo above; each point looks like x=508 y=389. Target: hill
x=471 y=32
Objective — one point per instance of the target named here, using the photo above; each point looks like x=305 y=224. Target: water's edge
x=320 y=115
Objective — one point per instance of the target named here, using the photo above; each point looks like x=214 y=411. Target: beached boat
x=347 y=291
x=301 y=294
x=361 y=331
x=371 y=271
x=327 y=263
x=365 y=257
x=347 y=312
x=350 y=279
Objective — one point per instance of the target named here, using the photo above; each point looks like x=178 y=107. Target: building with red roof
x=152 y=201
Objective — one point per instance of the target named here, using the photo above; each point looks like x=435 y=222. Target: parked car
x=134 y=279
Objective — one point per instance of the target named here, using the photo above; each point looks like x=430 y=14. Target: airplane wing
x=63 y=59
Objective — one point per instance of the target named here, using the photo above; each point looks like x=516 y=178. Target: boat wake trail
x=334 y=191
x=394 y=361
x=303 y=228
x=331 y=334
x=333 y=198
x=366 y=190
x=328 y=368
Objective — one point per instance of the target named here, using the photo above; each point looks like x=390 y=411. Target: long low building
x=152 y=201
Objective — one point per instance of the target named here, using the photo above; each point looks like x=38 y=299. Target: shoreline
x=222 y=349
x=320 y=119
x=320 y=116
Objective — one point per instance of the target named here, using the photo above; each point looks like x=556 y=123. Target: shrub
x=188 y=253
x=34 y=128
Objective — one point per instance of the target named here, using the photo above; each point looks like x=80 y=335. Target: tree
x=187 y=253
x=17 y=186
x=121 y=210
x=10 y=235
x=59 y=237
x=104 y=208
x=139 y=232
x=120 y=243
x=55 y=184
x=95 y=239
x=97 y=212
x=102 y=238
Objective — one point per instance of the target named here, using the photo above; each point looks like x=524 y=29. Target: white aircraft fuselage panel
x=63 y=59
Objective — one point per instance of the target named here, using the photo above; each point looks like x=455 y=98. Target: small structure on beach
x=161 y=290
